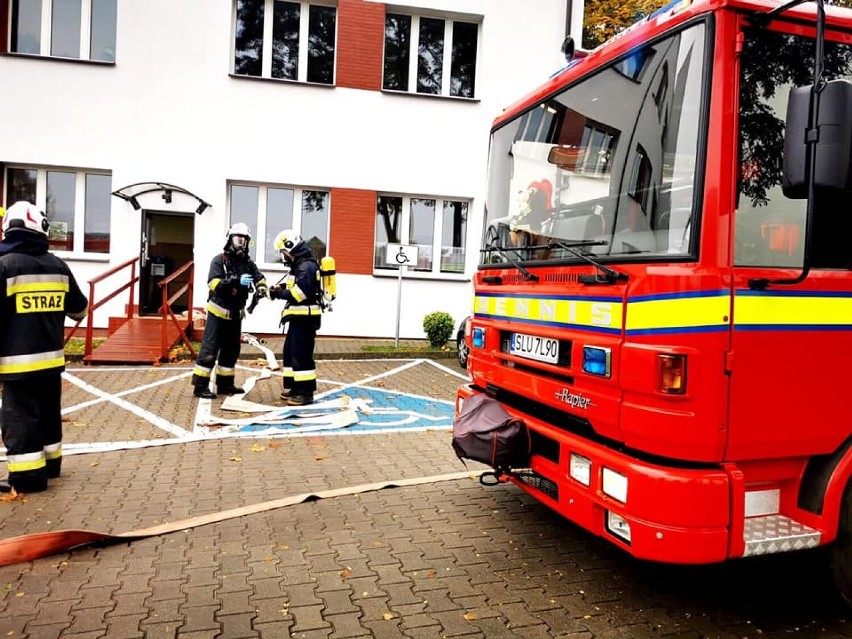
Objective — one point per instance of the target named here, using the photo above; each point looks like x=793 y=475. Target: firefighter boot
x=28 y=485
x=230 y=390
x=300 y=400
x=54 y=468
x=287 y=392
x=203 y=392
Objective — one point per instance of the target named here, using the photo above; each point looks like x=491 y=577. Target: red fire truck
x=664 y=293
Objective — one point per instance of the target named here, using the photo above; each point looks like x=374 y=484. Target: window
x=430 y=55
x=77 y=204
x=596 y=148
x=268 y=210
x=770 y=228
x=586 y=145
x=79 y=29
x=437 y=227
x=285 y=40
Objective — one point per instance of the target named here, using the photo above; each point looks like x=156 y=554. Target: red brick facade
x=360 y=44
x=360 y=47
x=352 y=229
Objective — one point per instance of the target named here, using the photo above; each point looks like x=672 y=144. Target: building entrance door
x=167 y=244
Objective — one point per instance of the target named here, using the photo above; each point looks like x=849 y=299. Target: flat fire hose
x=28 y=547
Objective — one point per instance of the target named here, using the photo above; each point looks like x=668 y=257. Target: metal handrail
x=166 y=311
x=90 y=322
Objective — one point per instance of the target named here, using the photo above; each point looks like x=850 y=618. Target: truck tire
x=841 y=550
x=462 y=348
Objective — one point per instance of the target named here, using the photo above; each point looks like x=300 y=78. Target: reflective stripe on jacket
x=37 y=292
x=227 y=298
x=301 y=288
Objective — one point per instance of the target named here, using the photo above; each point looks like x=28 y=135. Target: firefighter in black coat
x=37 y=291
x=232 y=274
x=302 y=315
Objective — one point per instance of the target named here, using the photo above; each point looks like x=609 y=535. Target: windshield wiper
x=610 y=276
x=501 y=251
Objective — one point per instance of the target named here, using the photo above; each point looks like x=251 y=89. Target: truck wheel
x=841 y=551
x=462 y=349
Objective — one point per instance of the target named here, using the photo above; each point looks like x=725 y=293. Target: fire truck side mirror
x=833 y=165
x=567 y=48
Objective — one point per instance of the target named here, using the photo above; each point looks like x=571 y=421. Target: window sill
x=421 y=275
x=82 y=257
x=274 y=267
x=320 y=85
x=51 y=58
x=413 y=94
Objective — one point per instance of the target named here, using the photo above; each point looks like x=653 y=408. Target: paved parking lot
x=442 y=559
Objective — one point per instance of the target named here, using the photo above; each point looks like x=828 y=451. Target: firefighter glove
x=245 y=280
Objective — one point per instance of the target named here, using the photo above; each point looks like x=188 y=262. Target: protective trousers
x=297 y=360
x=32 y=430
x=221 y=341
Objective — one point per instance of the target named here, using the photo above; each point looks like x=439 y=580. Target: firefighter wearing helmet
x=37 y=291
x=231 y=278
x=301 y=317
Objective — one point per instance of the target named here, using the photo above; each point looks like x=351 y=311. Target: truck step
x=776 y=533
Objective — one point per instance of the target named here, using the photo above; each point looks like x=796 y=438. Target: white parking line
x=204 y=409
x=156 y=420
x=92 y=402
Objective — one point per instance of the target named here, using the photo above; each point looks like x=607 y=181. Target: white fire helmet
x=238 y=237
x=26 y=217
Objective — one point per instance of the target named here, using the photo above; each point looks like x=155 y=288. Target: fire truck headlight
x=597 y=361
x=618 y=526
x=477 y=337
x=580 y=469
x=615 y=485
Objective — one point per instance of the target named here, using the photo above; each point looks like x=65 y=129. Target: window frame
x=435 y=272
x=46 y=33
x=79 y=228
x=447 y=63
x=259 y=228
x=267 y=43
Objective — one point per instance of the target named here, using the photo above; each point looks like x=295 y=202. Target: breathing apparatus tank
x=328 y=280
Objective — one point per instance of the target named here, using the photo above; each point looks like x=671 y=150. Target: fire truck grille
x=541 y=484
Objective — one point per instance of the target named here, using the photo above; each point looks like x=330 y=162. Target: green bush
x=439 y=327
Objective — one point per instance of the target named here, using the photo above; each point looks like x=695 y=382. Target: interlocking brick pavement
x=450 y=559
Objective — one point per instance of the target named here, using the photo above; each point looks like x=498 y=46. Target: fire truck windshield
x=608 y=164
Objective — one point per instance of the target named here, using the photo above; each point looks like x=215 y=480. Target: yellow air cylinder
x=329 y=280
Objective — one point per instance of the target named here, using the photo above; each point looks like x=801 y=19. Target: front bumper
x=675 y=514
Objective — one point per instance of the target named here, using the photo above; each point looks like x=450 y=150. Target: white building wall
x=169 y=111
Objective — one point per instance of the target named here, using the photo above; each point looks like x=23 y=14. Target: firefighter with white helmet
x=37 y=291
x=301 y=315
x=232 y=275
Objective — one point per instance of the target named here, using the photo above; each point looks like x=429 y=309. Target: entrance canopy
x=131 y=192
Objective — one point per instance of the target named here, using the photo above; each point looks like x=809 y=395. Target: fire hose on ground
x=35 y=546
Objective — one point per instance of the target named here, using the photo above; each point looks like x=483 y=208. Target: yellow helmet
x=287 y=240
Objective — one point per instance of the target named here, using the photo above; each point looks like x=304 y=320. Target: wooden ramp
x=138 y=341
